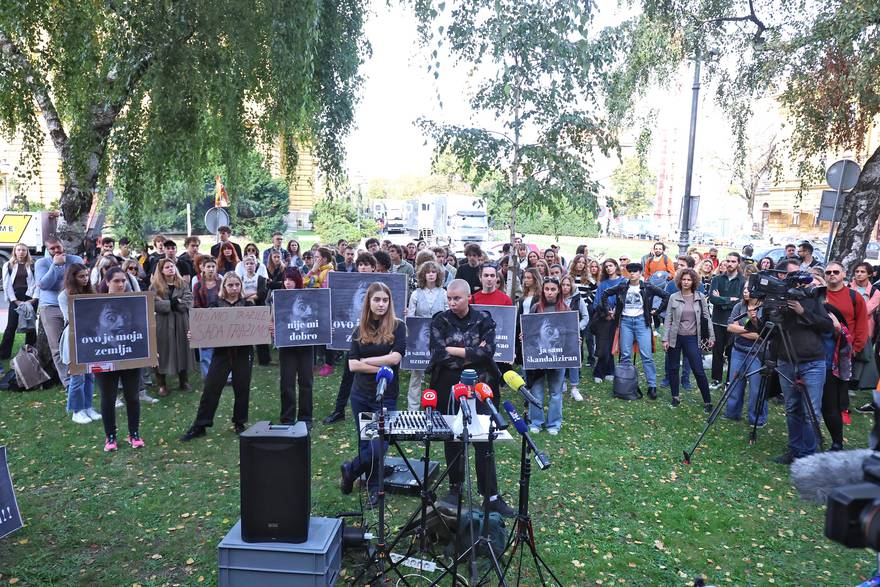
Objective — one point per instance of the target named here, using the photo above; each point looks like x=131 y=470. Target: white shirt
x=249 y=284
x=633 y=306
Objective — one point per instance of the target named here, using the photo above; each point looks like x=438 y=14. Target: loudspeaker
x=276 y=480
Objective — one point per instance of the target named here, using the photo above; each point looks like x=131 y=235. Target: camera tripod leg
x=759 y=406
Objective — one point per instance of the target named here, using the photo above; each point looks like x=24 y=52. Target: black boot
x=652 y=393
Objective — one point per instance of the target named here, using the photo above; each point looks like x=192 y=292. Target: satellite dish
x=843 y=175
x=215 y=218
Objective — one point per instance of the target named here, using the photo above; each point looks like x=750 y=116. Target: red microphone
x=484 y=392
x=429 y=404
x=462 y=395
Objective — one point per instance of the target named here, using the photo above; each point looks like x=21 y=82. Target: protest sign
x=505 y=330
x=348 y=291
x=418 y=338
x=302 y=316
x=111 y=332
x=551 y=340
x=10 y=517
x=232 y=326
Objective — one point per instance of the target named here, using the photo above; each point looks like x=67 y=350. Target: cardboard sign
x=505 y=330
x=551 y=340
x=10 y=517
x=301 y=317
x=418 y=339
x=112 y=332
x=222 y=327
x=348 y=292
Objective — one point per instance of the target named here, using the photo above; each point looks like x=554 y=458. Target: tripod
x=522 y=534
x=769 y=329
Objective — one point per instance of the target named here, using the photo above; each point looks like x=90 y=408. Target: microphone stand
x=522 y=533
x=381 y=551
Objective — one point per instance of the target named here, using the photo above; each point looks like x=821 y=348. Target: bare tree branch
x=752 y=17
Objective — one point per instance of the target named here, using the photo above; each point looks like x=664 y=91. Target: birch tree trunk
x=859 y=216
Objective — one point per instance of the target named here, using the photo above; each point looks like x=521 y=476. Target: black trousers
x=236 y=360
x=344 y=386
x=720 y=353
x=264 y=357
x=604 y=344
x=108 y=383
x=833 y=395
x=30 y=336
x=296 y=367
x=442 y=381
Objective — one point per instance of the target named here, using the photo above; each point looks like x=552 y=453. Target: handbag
x=704 y=331
x=626 y=382
x=28 y=371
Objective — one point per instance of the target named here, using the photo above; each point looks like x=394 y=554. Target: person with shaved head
x=464 y=338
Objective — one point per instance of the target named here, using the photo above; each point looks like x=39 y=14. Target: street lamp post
x=684 y=229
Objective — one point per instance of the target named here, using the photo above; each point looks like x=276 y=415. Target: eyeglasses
x=623 y=259
x=832 y=272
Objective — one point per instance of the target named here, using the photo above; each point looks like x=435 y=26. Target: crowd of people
x=693 y=305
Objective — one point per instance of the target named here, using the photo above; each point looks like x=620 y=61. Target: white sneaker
x=119 y=403
x=609 y=378
x=597 y=380
x=80 y=417
x=91 y=413
x=576 y=394
x=146 y=397
x=534 y=430
x=564 y=387
x=553 y=431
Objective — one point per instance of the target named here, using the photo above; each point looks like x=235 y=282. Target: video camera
x=775 y=291
x=853 y=515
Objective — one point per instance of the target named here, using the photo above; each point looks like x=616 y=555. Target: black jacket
x=804 y=332
x=469 y=332
x=648 y=291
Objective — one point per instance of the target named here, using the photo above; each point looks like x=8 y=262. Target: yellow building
x=45 y=188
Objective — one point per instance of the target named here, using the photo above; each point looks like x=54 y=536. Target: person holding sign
x=81 y=389
x=109 y=381
x=379 y=340
x=295 y=364
x=225 y=360
x=173 y=301
x=205 y=292
x=428 y=299
x=550 y=301
x=572 y=298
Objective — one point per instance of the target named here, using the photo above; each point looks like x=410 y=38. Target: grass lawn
x=616 y=507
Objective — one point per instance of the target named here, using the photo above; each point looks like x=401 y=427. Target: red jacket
x=855 y=311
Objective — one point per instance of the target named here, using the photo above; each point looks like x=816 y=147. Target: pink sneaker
x=325 y=371
x=135 y=440
x=110 y=445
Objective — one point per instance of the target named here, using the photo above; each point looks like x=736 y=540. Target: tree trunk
x=860 y=212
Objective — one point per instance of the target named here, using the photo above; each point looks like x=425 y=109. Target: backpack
x=658 y=279
x=8 y=382
x=626 y=382
x=28 y=371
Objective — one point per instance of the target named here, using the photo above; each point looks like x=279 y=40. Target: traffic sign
x=843 y=175
x=215 y=218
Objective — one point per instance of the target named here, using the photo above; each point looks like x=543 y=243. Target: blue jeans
x=690 y=348
x=574 y=375
x=370 y=453
x=80 y=392
x=748 y=372
x=685 y=371
x=634 y=329
x=552 y=379
x=801 y=438
x=205 y=355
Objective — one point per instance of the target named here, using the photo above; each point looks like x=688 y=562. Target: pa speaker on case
x=276 y=480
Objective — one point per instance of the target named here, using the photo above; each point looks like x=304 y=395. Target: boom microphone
x=484 y=393
x=520 y=425
x=462 y=395
x=515 y=382
x=817 y=475
x=429 y=404
x=383 y=376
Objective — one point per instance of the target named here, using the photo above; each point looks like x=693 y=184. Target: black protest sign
x=348 y=292
x=10 y=517
x=418 y=343
x=112 y=332
x=302 y=317
x=505 y=330
x=551 y=340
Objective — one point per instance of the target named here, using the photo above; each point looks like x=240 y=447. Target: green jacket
x=727 y=288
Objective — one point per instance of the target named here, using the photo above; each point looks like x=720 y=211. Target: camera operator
x=803 y=324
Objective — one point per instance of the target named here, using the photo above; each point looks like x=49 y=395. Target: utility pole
x=684 y=229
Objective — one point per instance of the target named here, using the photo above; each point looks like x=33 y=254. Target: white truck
x=395 y=219
x=422 y=217
x=460 y=219
x=29 y=228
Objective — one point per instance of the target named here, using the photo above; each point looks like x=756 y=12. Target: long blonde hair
x=158 y=283
x=224 y=295
x=377 y=329
x=27 y=259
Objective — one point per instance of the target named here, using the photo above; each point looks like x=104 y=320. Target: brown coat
x=171 y=328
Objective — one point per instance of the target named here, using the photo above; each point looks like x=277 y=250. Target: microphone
x=816 y=476
x=429 y=404
x=383 y=376
x=484 y=393
x=520 y=425
x=460 y=390
x=515 y=382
